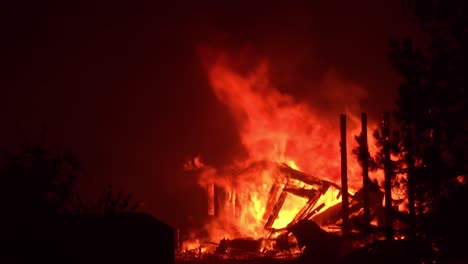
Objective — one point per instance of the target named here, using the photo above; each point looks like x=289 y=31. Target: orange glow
x=290 y=208
x=330 y=198
x=190 y=245
x=274 y=128
x=292 y=164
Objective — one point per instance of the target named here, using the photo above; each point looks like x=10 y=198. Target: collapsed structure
x=319 y=201
x=299 y=184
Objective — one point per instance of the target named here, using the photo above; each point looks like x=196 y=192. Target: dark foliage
x=430 y=142
x=44 y=219
x=432 y=105
x=108 y=203
x=38 y=181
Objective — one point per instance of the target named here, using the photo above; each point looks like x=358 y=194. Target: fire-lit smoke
x=278 y=128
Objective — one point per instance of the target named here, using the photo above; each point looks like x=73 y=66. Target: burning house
x=292 y=170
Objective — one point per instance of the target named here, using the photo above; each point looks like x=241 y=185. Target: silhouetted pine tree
x=376 y=162
x=431 y=111
x=430 y=143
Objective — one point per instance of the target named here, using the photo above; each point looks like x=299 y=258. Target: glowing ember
x=274 y=127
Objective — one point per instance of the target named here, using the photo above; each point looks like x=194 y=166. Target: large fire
x=274 y=128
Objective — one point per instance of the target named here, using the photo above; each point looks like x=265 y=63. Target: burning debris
x=301 y=185
x=239 y=246
x=283 y=234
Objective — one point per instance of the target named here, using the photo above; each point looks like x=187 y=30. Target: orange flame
x=275 y=127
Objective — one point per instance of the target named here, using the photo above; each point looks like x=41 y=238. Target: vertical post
x=178 y=241
x=234 y=204
x=211 y=199
x=365 y=170
x=411 y=183
x=388 y=176
x=237 y=205
x=344 y=176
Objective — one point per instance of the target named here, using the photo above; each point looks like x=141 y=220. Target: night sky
x=122 y=86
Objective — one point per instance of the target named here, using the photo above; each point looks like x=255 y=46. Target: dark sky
x=122 y=86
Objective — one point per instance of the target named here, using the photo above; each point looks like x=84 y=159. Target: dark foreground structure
x=118 y=238
x=326 y=248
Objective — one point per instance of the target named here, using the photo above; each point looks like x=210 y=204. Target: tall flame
x=273 y=126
